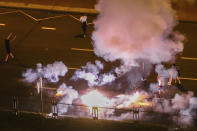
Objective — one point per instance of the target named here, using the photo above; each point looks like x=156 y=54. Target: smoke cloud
x=91 y=73
x=69 y=94
x=184 y=104
x=51 y=72
x=162 y=71
x=131 y=29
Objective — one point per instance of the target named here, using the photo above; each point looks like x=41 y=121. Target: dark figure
x=178 y=74
x=136 y=113
x=15 y=105
x=83 y=20
x=54 y=109
x=7 y=46
x=177 y=80
x=95 y=113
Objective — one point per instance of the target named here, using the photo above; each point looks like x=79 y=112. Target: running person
x=83 y=20
x=7 y=46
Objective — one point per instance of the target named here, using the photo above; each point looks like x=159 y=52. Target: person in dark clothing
x=83 y=20
x=7 y=46
x=177 y=80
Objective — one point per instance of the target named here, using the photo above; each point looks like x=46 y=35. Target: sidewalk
x=74 y=6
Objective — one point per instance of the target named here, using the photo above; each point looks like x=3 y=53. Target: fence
x=51 y=108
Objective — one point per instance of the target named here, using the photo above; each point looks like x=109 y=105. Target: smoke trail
x=91 y=73
x=51 y=72
x=131 y=29
x=69 y=94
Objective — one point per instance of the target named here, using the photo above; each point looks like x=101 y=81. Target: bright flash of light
x=95 y=98
x=59 y=93
x=136 y=100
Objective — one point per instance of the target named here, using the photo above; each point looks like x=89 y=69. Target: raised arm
x=13 y=39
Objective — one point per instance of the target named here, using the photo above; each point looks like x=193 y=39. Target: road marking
x=47 y=18
x=193 y=79
x=187 y=58
x=78 y=49
x=75 y=18
x=9 y=12
x=70 y=68
x=47 y=28
x=28 y=15
x=2 y=24
x=90 y=23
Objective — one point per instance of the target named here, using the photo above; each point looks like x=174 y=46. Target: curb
x=47 y=8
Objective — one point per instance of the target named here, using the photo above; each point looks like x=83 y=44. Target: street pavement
x=184 y=9
x=86 y=6
x=35 y=44
x=66 y=3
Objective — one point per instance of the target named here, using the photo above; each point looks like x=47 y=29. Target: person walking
x=83 y=20
x=7 y=46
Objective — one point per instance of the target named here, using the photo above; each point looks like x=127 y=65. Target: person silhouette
x=7 y=46
x=83 y=20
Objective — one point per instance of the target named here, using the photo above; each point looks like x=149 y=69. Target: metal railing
x=51 y=108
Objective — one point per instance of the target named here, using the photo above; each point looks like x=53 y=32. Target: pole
x=41 y=97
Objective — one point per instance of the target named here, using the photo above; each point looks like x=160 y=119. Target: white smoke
x=153 y=87
x=69 y=94
x=91 y=73
x=164 y=72
x=187 y=105
x=106 y=78
x=51 y=72
x=184 y=104
x=164 y=75
x=131 y=29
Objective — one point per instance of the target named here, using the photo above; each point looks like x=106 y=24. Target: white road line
x=54 y=17
x=2 y=13
x=28 y=15
x=75 y=18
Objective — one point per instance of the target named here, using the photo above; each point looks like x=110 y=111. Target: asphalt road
x=54 y=43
